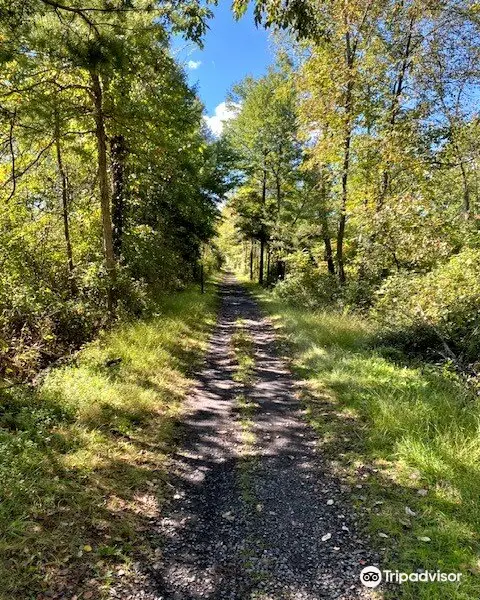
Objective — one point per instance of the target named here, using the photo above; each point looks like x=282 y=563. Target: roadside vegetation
x=356 y=158
x=83 y=453
x=348 y=178
x=109 y=185
x=95 y=219
x=404 y=438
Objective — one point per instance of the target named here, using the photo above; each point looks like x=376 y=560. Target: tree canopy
x=109 y=181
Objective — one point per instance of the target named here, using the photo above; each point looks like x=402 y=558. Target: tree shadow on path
x=257 y=513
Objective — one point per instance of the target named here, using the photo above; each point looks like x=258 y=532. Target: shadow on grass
x=406 y=438
x=248 y=520
x=83 y=457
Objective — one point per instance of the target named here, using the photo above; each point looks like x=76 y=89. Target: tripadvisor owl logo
x=371 y=577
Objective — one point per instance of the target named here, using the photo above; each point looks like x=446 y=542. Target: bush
x=425 y=311
x=306 y=286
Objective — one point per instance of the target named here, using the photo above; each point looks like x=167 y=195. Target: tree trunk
x=262 y=254
x=329 y=255
x=262 y=233
x=268 y=264
x=251 y=260
x=64 y=184
x=325 y=229
x=278 y=187
x=349 y=53
x=466 y=191
x=395 y=106
x=110 y=262
x=463 y=171
x=119 y=154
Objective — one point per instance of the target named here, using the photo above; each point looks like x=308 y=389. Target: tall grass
x=83 y=456
x=409 y=438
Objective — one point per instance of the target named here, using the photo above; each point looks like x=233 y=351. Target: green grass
x=243 y=349
x=407 y=437
x=244 y=352
x=83 y=456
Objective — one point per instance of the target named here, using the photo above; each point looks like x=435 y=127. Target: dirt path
x=255 y=513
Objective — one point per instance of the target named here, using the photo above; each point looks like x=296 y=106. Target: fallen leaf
x=87 y=548
x=382 y=535
x=329 y=502
x=422 y=492
x=410 y=512
x=326 y=537
x=424 y=538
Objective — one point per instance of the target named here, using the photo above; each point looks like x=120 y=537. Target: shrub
x=427 y=311
x=308 y=287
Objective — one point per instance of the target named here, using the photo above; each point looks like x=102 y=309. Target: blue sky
x=232 y=50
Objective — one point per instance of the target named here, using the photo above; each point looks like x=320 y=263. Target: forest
x=357 y=158
x=340 y=196
x=104 y=204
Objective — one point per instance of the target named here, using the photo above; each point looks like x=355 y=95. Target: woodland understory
x=356 y=159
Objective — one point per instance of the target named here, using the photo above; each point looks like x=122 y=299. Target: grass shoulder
x=404 y=439
x=83 y=462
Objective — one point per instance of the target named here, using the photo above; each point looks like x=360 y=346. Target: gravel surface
x=255 y=513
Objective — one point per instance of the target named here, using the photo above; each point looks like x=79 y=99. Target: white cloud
x=193 y=64
x=223 y=112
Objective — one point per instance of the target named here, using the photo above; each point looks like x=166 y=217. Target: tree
x=79 y=82
x=263 y=136
x=385 y=109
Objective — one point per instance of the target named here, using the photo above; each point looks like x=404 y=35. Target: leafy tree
x=79 y=82
x=263 y=136
x=385 y=112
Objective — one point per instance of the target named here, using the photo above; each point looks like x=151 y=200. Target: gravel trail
x=256 y=514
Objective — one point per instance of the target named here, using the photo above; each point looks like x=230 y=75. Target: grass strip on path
x=244 y=351
x=83 y=456
x=405 y=440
